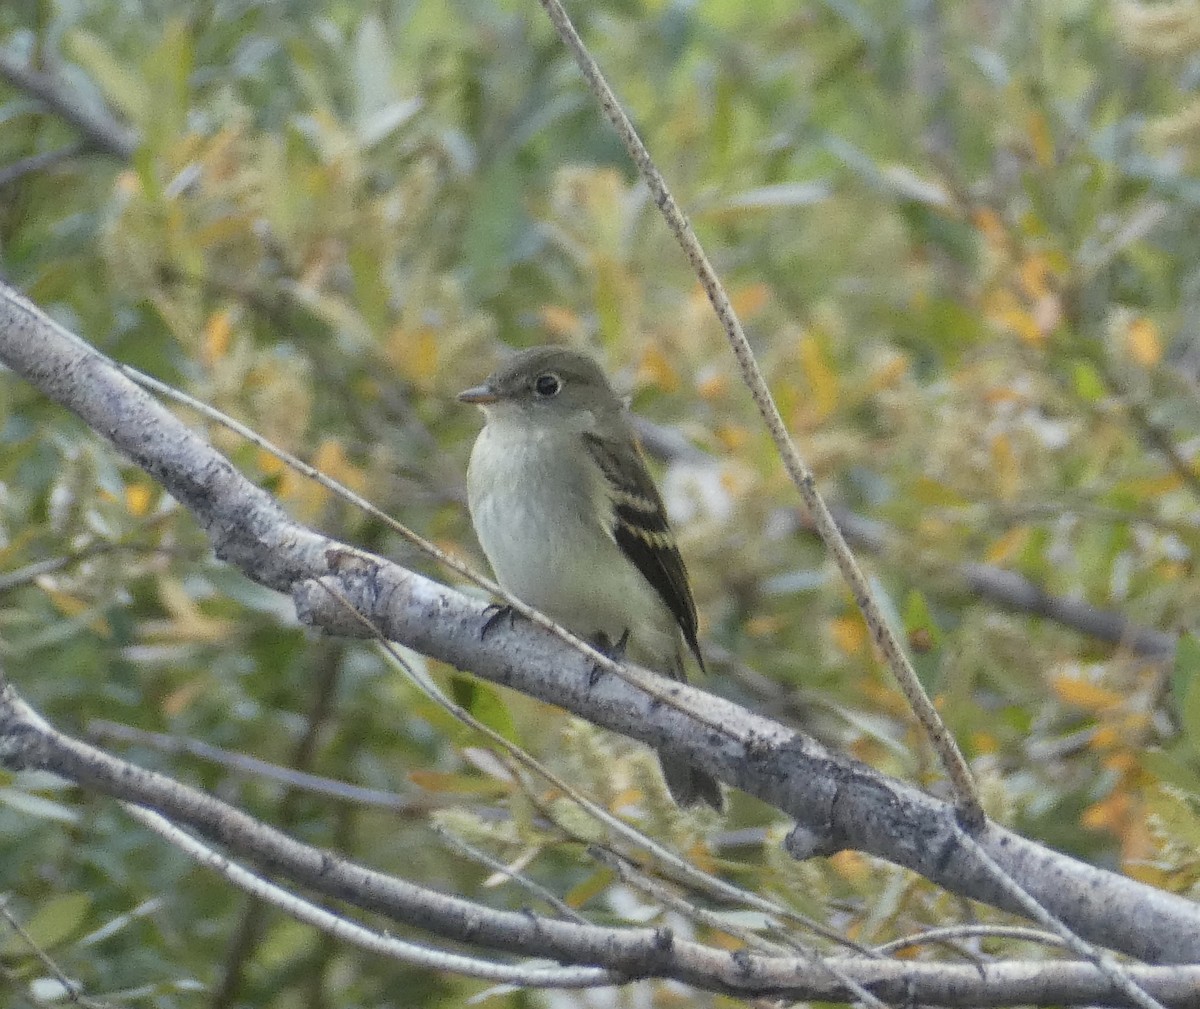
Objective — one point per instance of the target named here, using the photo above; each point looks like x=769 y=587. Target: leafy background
x=963 y=237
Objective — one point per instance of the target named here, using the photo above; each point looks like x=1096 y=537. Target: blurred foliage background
x=965 y=240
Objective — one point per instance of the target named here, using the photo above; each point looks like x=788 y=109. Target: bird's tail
x=689 y=785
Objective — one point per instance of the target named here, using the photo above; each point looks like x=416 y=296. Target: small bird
x=572 y=524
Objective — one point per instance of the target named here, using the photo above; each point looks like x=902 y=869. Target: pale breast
x=540 y=510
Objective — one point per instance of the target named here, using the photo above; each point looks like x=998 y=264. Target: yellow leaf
x=1005 y=467
x=732 y=436
x=984 y=742
x=1035 y=275
x=765 y=624
x=700 y=855
x=1040 y=139
x=442 y=781
x=423 y=363
x=714 y=385
x=559 y=320
x=822 y=379
x=138 y=498
x=594 y=885
x=849 y=634
x=1109 y=814
x=721 y=940
x=655 y=369
x=1004 y=310
x=269 y=464
x=1123 y=763
x=888 y=375
x=1081 y=694
x=1152 y=486
x=181 y=698
x=217 y=333
x=1142 y=339
x=331 y=459
x=1007 y=546
x=929 y=491
x=66 y=604
x=988 y=223
x=1173 y=571
x=1003 y=394
x=128 y=184
x=626 y=797
x=748 y=301
x=850 y=865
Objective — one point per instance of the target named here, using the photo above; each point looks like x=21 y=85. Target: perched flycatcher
x=573 y=525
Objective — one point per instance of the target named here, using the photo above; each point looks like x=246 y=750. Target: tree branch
x=27 y=741
x=100 y=130
x=836 y=801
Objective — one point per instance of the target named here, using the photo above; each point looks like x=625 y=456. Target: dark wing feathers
x=641 y=531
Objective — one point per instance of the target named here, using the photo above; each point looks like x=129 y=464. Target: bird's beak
x=480 y=395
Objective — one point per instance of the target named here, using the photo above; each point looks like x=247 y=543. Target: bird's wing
x=641 y=531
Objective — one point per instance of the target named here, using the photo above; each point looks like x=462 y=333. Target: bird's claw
x=616 y=652
x=493 y=614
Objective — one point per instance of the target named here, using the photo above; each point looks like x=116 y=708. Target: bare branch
x=26 y=740
x=17 y=170
x=356 y=935
x=99 y=129
x=100 y=728
x=463 y=847
x=837 y=802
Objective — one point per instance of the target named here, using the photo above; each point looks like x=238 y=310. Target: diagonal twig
x=961 y=780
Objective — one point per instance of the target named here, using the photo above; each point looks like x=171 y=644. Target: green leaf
x=917 y=617
x=55 y=920
x=924 y=639
x=121 y=87
x=1185 y=683
x=485 y=703
x=1173 y=767
x=780 y=196
x=497 y=218
x=1088 y=385
x=1177 y=815
x=35 y=805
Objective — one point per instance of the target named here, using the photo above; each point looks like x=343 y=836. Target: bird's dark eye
x=547 y=385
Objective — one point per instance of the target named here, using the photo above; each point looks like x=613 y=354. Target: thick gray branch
x=26 y=741
x=836 y=801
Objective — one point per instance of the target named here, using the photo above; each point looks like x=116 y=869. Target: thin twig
x=456 y=843
x=99 y=728
x=950 y=933
x=1104 y=962
x=71 y=989
x=633 y=876
x=31 y=572
x=667 y=858
x=99 y=129
x=684 y=907
x=17 y=170
x=364 y=938
x=801 y=475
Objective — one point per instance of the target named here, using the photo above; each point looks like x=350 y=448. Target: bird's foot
x=494 y=613
x=605 y=646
